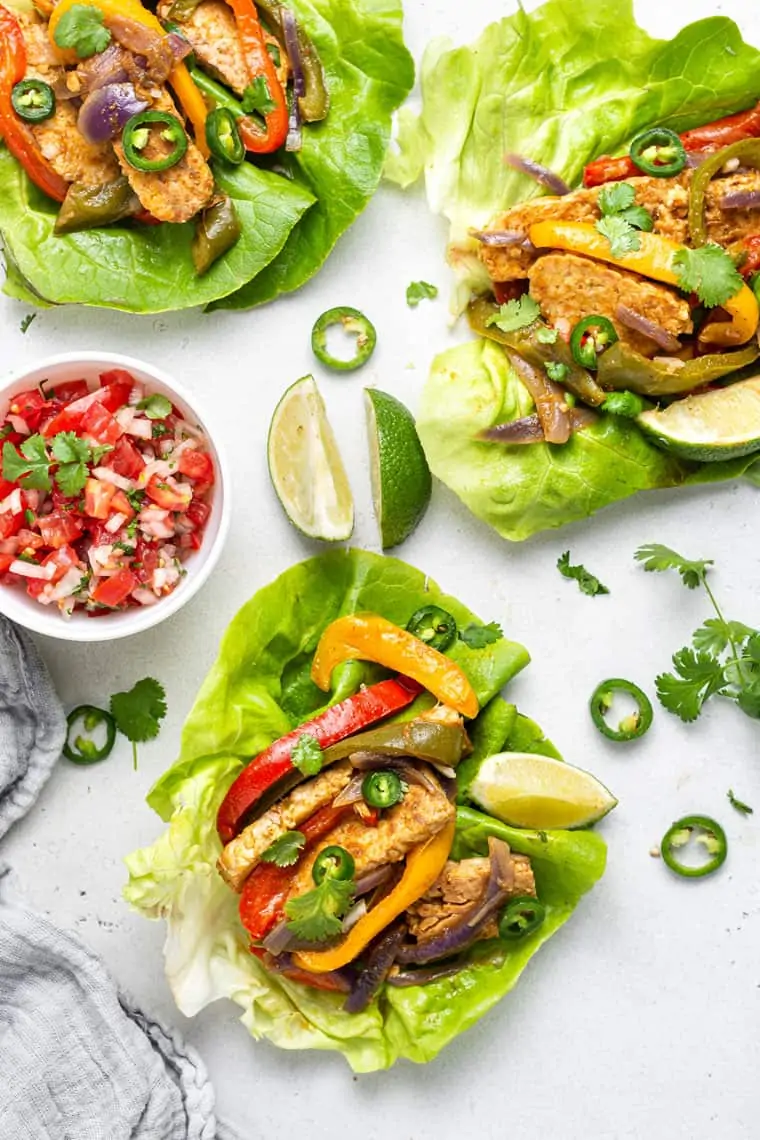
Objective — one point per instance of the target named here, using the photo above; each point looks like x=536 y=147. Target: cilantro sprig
x=83 y=28
x=621 y=235
x=285 y=850
x=514 y=315
x=306 y=755
x=258 y=97
x=739 y=805
x=588 y=583
x=138 y=712
x=709 y=272
x=480 y=636
x=621 y=218
x=63 y=458
x=420 y=291
x=318 y=915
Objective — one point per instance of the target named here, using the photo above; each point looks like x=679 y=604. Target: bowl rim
x=50 y=624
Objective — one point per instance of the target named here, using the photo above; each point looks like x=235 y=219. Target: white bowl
x=19 y=607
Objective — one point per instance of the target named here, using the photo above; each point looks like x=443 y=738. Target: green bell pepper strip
x=216 y=230
x=223 y=137
x=421 y=739
x=747 y=151
x=526 y=343
x=434 y=626
x=658 y=152
x=333 y=863
x=136 y=136
x=353 y=322
x=383 y=789
x=90 y=207
x=622 y=368
x=215 y=92
x=679 y=834
x=633 y=726
x=33 y=100
x=590 y=338
x=83 y=749
x=315 y=102
x=521 y=916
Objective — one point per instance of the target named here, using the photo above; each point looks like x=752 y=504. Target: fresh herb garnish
x=627 y=404
x=615 y=197
x=67 y=453
x=136 y=499
x=741 y=807
x=318 y=914
x=82 y=28
x=709 y=272
x=621 y=235
x=26 y=321
x=479 y=636
x=32 y=468
x=517 y=314
x=73 y=454
x=139 y=711
x=306 y=755
x=546 y=335
x=556 y=371
x=258 y=97
x=285 y=849
x=274 y=51
x=29 y=517
x=420 y=291
x=155 y=407
x=587 y=583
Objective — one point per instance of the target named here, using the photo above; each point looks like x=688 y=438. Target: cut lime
x=305 y=466
x=401 y=481
x=528 y=790
x=711 y=426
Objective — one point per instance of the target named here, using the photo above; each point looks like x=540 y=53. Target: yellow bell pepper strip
x=192 y=101
x=653 y=259
x=369 y=637
x=423 y=866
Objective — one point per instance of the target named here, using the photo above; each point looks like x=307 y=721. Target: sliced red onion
x=357 y=911
x=151 y=50
x=294 y=140
x=639 y=323
x=372 y=761
x=179 y=46
x=106 y=110
x=499 y=237
x=279 y=939
x=368 y=882
x=107 y=67
x=741 y=200
x=351 y=794
x=425 y=976
x=541 y=174
x=548 y=397
x=525 y=430
x=379 y=962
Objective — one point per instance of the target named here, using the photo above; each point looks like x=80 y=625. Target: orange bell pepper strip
x=369 y=637
x=17 y=135
x=190 y=98
x=261 y=65
x=653 y=259
x=423 y=866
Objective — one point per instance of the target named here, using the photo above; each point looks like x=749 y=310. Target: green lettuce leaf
x=259 y=689
x=369 y=74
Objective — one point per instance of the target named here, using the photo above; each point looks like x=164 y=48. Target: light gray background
x=640 y=1018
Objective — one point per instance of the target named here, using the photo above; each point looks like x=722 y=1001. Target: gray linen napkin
x=78 y=1061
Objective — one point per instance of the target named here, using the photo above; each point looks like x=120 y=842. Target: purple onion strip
x=106 y=110
x=639 y=323
x=741 y=200
x=294 y=140
x=525 y=430
x=379 y=962
x=425 y=976
x=368 y=882
x=499 y=237
x=541 y=174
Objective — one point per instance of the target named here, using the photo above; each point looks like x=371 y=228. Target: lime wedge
x=711 y=426
x=528 y=790
x=401 y=480
x=305 y=466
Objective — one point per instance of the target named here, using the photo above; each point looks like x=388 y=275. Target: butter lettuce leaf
x=258 y=689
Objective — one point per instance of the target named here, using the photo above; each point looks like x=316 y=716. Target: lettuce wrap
x=560 y=85
x=290 y=219
x=260 y=688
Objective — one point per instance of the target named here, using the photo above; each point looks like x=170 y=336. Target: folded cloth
x=32 y=724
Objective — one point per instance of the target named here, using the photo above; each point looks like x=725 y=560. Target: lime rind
x=708 y=427
x=399 y=471
x=530 y=790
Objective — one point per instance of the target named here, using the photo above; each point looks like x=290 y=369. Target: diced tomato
x=5 y=561
x=59 y=528
x=67 y=420
x=197 y=465
x=121 y=505
x=10 y=524
x=30 y=406
x=115 y=590
x=99 y=425
x=125 y=459
x=35 y=586
x=63 y=560
x=70 y=419
x=29 y=540
x=116 y=388
x=166 y=496
x=97 y=498
x=146 y=561
x=751 y=250
x=69 y=391
x=197 y=513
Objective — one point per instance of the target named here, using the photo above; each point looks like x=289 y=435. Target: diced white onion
x=106 y=475
x=140 y=428
x=100 y=557
x=19 y=424
x=12 y=503
x=116 y=522
x=125 y=418
x=136 y=395
x=68 y=583
x=145 y=596
x=29 y=570
x=159 y=467
x=184 y=428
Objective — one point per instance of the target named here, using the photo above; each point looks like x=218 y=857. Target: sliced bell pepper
x=746 y=151
x=188 y=94
x=261 y=66
x=369 y=637
x=336 y=723
x=653 y=259
x=17 y=135
x=423 y=866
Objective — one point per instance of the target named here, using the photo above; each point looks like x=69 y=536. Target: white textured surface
x=639 y=1020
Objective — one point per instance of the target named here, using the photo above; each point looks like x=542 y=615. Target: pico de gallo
x=103 y=495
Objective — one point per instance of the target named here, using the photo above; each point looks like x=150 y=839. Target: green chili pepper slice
x=223 y=136
x=141 y=128
x=631 y=727
x=33 y=100
x=521 y=916
x=659 y=152
x=709 y=833
x=83 y=749
x=353 y=322
x=333 y=863
x=747 y=151
x=383 y=789
x=590 y=338
x=436 y=627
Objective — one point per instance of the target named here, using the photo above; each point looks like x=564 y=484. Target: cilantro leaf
x=741 y=807
x=155 y=407
x=306 y=754
x=615 y=197
x=82 y=28
x=639 y=218
x=139 y=711
x=26 y=321
x=556 y=371
x=318 y=914
x=285 y=850
x=624 y=404
x=420 y=291
x=71 y=478
x=697 y=676
x=32 y=468
x=515 y=314
x=479 y=636
x=67 y=447
x=655 y=557
x=258 y=97
x=716 y=635
x=546 y=335
x=622 y=237
x=709 y=272
x=587 y=583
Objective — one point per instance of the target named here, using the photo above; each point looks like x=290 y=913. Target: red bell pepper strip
x=262 y=903
x=336 y=723
x=17 y=136
x=260 y=64
x=713 y=136
x=751 y=250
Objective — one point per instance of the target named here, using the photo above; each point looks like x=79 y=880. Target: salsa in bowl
x=113 y=498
